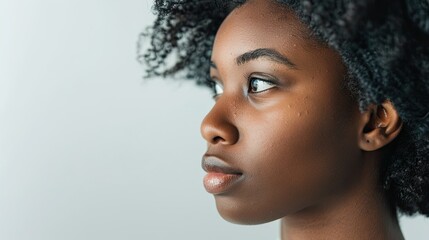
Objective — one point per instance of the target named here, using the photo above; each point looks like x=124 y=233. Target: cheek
x=299 y=154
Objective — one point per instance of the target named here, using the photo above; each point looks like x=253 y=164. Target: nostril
x=217 y=139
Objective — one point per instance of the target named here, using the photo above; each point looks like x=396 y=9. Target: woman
x=321 y=114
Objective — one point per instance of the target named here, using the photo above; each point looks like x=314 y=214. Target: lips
x=220 y=177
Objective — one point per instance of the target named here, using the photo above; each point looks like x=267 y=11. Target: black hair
x=384 y=45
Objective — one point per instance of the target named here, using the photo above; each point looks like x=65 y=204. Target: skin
x=308 y=156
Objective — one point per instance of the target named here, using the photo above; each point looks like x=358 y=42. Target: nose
x=217 y=127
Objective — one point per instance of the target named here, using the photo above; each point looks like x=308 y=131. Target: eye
x=216 y=87
x=257 y=85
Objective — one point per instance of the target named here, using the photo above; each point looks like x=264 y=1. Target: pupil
x=254 y=85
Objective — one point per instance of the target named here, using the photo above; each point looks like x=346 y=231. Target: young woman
x=321 y=113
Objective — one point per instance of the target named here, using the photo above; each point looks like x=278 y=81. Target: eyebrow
x=269 y=53
x=264 y=52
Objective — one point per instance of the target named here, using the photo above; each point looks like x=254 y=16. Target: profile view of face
x=282 y=134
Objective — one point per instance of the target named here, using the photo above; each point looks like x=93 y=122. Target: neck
x=362 y=212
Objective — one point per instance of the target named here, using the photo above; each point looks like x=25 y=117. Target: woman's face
x=282 y=135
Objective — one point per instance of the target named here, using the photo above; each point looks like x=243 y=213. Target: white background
x=89 y=150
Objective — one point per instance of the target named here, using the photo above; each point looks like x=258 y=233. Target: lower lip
x=216 y=183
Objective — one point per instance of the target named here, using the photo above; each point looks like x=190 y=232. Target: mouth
x=220 y=177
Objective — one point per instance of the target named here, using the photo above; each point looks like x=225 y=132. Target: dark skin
x=305 y=153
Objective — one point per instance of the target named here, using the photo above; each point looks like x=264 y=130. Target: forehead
x=264 y=24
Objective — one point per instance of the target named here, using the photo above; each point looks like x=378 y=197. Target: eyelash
x=214 y=85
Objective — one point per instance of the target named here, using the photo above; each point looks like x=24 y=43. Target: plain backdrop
x=90 y=150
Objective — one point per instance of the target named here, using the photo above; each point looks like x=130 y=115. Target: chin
x=244 y=213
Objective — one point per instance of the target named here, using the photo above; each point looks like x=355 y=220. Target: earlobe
x=381 y=124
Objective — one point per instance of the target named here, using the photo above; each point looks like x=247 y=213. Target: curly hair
x=384 y=45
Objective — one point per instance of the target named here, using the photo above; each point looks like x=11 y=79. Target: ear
x=380 y=124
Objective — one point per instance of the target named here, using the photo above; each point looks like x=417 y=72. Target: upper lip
x=212 y=163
